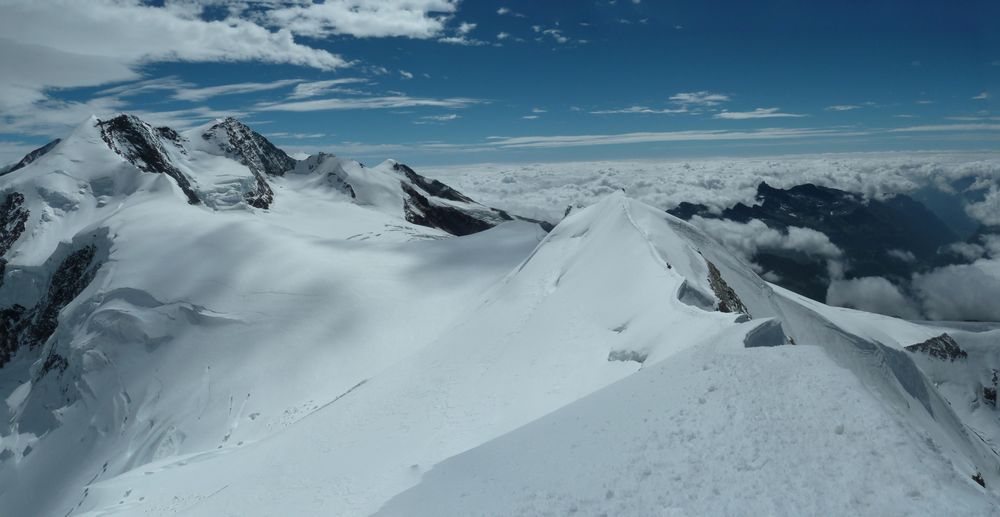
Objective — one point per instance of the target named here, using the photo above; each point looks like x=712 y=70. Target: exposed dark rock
x=942 y=347
x=866 y=230
x=990 y=392
x=627 y=355
x=24 y=328
x=54 y=362
x=431 y=186
x=729 y=301
x=142 y=146
x=32 y=156
x=13 y=217
x=423 y=211
x=418 y=210
x=73 y=275
x=978 y=478
x=248 y=147
x=12 y=325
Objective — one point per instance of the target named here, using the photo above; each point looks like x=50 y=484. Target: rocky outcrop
x=248 y=147
x=31 y=157
x=13 y=217
x=239 y=142
x=431 y=186
x=942 y=347
x=30 y=328
x=419 y=210
x=455 y=213
x=142 y=146
x=729 y=301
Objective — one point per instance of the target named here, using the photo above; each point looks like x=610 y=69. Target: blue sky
x=441 y=81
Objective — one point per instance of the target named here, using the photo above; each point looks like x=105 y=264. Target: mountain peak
x=236 y=140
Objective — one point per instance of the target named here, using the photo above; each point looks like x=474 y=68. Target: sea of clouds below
x=959 y=292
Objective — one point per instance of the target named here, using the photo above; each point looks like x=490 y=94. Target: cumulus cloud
x=365 y=18
x=961 y=292
x=747 y=239
x=64 y=44
x=902 y=256
x=872 y=294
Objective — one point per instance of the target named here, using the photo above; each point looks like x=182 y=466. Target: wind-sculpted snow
x=328 y=354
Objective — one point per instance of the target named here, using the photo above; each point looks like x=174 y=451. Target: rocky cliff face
x=248 y=147
x=142 y=146
x=29 y=328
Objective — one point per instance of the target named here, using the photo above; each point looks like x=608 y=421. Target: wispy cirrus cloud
x=640 y=110
x=702 y=98
x=368 y=103
x=657 y=136
x=755 y=114
x=316 y=88
x=200 y=94
x=437 y=119
x=842 y=107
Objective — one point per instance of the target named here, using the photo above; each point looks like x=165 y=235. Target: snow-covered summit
x=378 y=341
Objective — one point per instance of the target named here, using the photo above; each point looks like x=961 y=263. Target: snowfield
x=199 y=324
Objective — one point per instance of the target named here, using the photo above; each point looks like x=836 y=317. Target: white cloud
x=843 y=107
x=430 y=119
x=461 y=40
x=295 y=136
x=963 y=292
x=361 y=103
x=366 y=18
x=200 y=94
x=946 y=127
x=755 y=114
x=466 y=27
x=747 y=239
x=317 y=88
x=503 y=10
x=530 y=117
x=64 y=44
x=640 y=110
x=538 y=110
x=405 y=74
x=982 y=96
x=503 y=35
x=662 y=136
x=702 y=98
x=872 y=294
x=902 y=255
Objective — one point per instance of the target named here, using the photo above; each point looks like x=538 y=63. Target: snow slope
x=185 y=350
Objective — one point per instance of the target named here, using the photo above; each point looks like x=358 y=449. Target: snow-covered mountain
x=195 y=323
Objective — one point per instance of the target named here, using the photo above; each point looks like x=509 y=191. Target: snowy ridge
x=343 y=352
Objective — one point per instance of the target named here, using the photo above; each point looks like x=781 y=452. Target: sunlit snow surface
x=325 y=357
